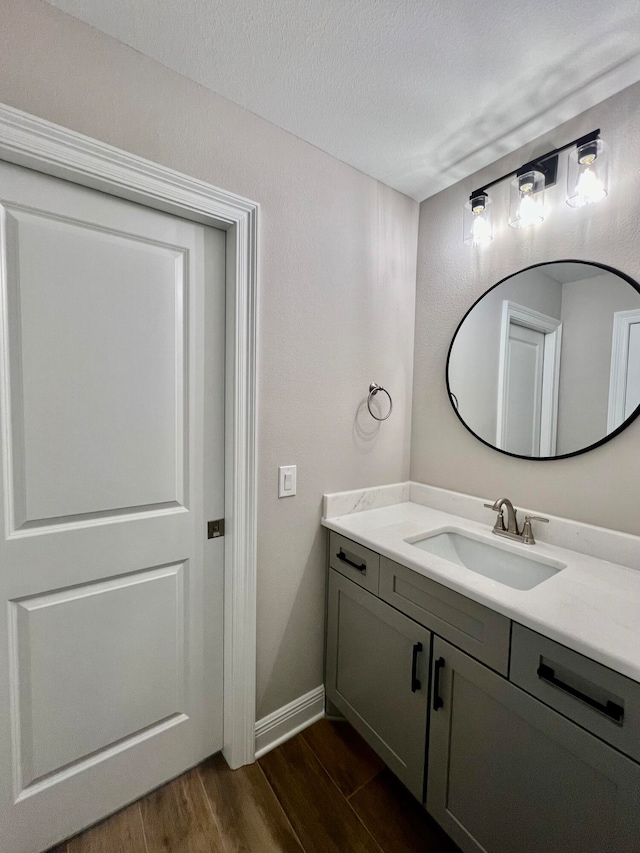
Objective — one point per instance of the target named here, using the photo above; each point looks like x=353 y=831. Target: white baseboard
x=287 y=721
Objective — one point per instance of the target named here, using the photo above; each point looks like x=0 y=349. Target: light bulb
x=587 y=173
x=477 y=229
x=530 y=212
x=589 y=188
x=480 y=230
x=526 y=204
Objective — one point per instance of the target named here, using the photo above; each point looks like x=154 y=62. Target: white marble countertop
x=592 y=606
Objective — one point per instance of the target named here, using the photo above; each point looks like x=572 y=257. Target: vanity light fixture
x=586 y=184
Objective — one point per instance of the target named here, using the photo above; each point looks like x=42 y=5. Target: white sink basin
x=484 y=558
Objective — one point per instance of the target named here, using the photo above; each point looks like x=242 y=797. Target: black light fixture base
x=547 y=164
x=549 y=169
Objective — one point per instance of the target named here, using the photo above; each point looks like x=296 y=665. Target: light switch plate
x=286 y=481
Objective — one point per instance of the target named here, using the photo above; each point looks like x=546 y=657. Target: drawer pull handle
x=611 y=709
x=437 y=699
x=344 y=559
x=415 y=681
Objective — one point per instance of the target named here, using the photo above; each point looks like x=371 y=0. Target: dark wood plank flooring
x=323 y=791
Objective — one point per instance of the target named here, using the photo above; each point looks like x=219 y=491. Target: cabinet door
x=378 y=676
x=509 y=775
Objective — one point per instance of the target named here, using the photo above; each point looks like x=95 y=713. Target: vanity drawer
x=354 y=561
x=475 y=629
x=594 y=696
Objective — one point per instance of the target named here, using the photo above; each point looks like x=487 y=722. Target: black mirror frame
x=607 y=437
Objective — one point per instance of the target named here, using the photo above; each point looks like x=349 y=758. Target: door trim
x=552 y=329
x=46 y=147
x=622 y=322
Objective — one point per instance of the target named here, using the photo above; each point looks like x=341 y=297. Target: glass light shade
x=587 y=174
x=478 y=229
x=526 y=205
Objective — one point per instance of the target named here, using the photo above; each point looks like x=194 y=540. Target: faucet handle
x=527 y=532
x=499 y=525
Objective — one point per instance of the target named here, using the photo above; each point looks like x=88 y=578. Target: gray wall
x=336 y=309
x=587 y=332
x=600 y=487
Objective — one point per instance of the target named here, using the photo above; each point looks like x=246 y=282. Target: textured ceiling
x=416 y=93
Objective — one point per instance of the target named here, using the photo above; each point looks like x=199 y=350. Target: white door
x=110 y=594
x=523 y=390
x=528 y=381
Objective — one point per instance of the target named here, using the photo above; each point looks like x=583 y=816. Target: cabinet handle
x=344 y=559
x=611 y=709
x=415 y=681
x=437 y=699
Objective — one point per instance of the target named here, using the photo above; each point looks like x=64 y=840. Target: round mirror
x=546 y=364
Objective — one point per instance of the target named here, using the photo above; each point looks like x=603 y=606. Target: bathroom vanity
x=510 y=708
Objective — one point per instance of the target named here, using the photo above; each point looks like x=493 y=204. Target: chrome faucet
x=511 y=530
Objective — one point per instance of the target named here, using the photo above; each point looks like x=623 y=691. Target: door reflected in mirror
x=546 y=364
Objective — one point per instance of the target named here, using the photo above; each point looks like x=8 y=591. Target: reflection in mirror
x=547 y=362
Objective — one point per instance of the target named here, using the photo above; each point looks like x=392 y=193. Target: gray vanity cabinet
x=377 y=675
x=506 y=773
x=530 y=744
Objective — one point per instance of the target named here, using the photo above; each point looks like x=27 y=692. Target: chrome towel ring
x=373 y=390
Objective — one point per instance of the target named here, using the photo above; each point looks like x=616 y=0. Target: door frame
x=622 y=322
x=521 y=315
x=26 y=140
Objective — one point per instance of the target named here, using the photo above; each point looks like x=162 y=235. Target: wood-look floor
x=323 y=791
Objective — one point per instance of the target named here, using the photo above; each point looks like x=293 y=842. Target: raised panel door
x=112 y=320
